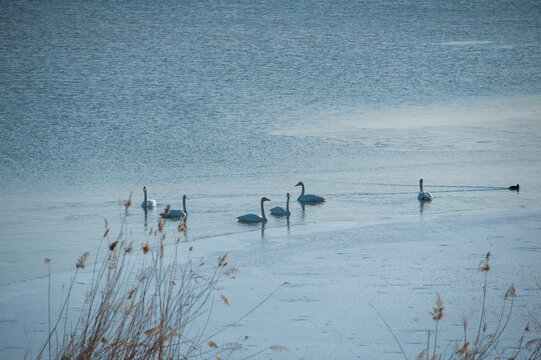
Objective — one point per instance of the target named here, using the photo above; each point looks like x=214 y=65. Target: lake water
x=231 y=101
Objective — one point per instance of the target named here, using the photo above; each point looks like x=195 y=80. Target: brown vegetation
x=140 y=306
x=485 y=345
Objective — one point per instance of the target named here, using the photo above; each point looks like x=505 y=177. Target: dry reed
x=485 y=345
x=145 y=306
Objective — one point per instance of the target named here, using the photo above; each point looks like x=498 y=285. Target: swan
x=514 y=187
x=308 y=198
x=423 y=195
x=280 y=211
x=177 y=213
x=253 y=218
x=147 y=203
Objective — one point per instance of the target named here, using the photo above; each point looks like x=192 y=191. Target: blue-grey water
x=228 y=101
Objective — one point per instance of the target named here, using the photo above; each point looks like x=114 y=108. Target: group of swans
x=250 y=218
x=167 y=213
x=277 y=210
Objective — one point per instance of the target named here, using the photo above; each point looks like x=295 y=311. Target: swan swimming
x=423 y=195
x=253 y=218
x=147 y=203
x=280 y=211
x=175 y=214
x=308 y=198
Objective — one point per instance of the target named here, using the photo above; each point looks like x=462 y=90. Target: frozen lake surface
x=335 y=270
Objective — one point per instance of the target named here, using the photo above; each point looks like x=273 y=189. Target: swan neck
x=184 y=205
x=302 y=192
x=287 y=205
x=146 y=198
x=421 y=186
x=263 y=210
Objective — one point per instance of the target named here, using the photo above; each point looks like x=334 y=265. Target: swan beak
x=265 y=199
x=299 y=184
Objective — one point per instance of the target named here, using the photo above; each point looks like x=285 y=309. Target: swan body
x=423 y=195
x=308 y=198
x=280 y=211
x=175 y=214
x=147 y=203
x=514 y=187
x=253 y=218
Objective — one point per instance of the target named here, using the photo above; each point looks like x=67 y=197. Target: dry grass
x=485 y=345
x=142 y=306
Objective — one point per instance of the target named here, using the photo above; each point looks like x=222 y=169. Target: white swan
x=423 y=195
x=147 y=203
x=175 y=214
x=280 y=211
x=252 y=218
x=308 y=198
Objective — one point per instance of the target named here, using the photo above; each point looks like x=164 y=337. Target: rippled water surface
x=230 y=101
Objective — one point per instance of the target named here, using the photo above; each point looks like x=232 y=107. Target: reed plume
x=146 y=248
x=511 y=291
x=113 y=245
x=81 y=263
x=106 y=228
x=225 y=300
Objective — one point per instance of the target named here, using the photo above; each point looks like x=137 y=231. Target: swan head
x=421 y=181
x=185 y=197
x=263 y=199
x=300 y=184
x=287 y=195
x=144 y=188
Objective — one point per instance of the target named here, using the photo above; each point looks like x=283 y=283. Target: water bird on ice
x=175 y=214
x=514 y=187
x=308 y=198
x=423 y=195
x=147 y=203
x=253 y=218
x=280 y=211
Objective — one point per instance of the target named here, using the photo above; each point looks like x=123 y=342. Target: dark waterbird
x=514 y=187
